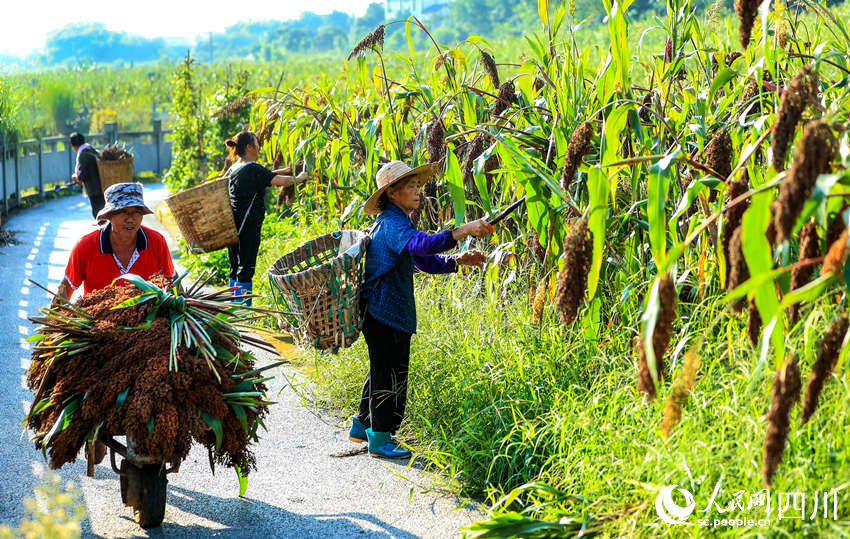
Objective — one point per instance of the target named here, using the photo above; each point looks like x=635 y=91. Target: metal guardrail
x=35 y=164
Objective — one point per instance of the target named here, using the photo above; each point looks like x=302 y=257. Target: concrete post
x=110 y=129
x=40 y=165
x=17 y=176
x=157 y=142
x=3 y=168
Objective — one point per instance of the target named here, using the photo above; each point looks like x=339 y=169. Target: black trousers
x=97 y=204
x=385 y=390
x=243 y=255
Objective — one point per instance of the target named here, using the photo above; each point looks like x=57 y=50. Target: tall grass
x=496 y=401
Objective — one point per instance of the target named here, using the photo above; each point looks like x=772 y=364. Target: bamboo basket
x=204 y=216
x=112 y=172
x=316 y=288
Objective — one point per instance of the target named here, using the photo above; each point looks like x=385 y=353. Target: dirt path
x=299 y=490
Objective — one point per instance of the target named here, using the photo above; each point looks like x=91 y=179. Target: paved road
x=299 y=490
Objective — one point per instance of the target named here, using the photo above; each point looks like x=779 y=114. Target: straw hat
x=394 y=172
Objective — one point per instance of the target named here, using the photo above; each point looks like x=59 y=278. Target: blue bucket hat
x=123 y=195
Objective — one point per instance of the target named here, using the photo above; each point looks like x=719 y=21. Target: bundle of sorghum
x=114 y=152
x=148 y=361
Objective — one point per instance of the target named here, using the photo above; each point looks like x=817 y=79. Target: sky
x=24 y=24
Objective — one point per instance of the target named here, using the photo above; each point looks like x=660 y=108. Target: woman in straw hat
x=247 y=183
x=390 y=311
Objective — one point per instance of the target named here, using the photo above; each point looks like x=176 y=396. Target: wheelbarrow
x=143 y=479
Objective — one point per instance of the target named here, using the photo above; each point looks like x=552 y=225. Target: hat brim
x=423 y=173
x=107 y=211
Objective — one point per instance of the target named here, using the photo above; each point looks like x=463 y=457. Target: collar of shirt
x=393 y=211
x=83 y=147
x=106 y=245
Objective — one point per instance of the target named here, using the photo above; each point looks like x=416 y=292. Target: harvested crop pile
x=151 y=362
x=114 y=153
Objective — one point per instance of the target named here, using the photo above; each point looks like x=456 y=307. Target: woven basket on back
x=317 y=289
x=112 y=172
x=204 y=216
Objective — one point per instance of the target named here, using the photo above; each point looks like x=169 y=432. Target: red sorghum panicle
x=746 y=11
x=812 y=157
x=572 y=279
x=801 y=91
x=830 y=349
x=800 y=276
x=577 y=148
x=490 y=68
x=785 y=392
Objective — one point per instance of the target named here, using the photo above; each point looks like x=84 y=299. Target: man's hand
x=76 y=179
x=473 y=257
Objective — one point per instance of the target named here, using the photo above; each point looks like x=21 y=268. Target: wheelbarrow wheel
x=145 y=491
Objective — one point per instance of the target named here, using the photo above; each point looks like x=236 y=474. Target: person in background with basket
x=389 y=321
x=247 y=183
x=85 y=172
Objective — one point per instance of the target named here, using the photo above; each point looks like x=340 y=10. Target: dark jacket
x=87 y=171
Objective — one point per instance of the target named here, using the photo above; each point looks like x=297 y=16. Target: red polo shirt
x=94 y=265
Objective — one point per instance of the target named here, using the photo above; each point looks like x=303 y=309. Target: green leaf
x=598 y=189
x=63 y=420
x=722 y=77
x=659 y=182
x=543 y=11
x=136 y=300
x=42 y=405
x=808 y=292
x=215 y=425
x=454 y=182
x=650 y=318
x=759 y=259
x=243 y=479
x=241 y=416
x=752 y=283
x=119 y=402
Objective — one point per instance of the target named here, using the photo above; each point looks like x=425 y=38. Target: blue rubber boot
x=244 y=289
x=382 y=446
x=357 y=433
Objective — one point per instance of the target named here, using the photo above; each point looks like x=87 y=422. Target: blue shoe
x=357 y=433
x=382 y=446
x=243 y=289
x=231 y=283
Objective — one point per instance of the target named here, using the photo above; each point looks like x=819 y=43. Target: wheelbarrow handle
x=506 y=212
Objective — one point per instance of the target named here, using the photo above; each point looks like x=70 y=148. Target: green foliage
x=190 y=121
x=55 y=512
x=228 y=112
x=58 y=98
x=9 y=110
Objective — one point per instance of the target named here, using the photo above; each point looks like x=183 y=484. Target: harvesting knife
x=506 y=212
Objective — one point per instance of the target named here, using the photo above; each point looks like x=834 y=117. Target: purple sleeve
x=422 y=244
x=435 y=263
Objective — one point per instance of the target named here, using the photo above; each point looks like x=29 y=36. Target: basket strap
x=247 y=213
